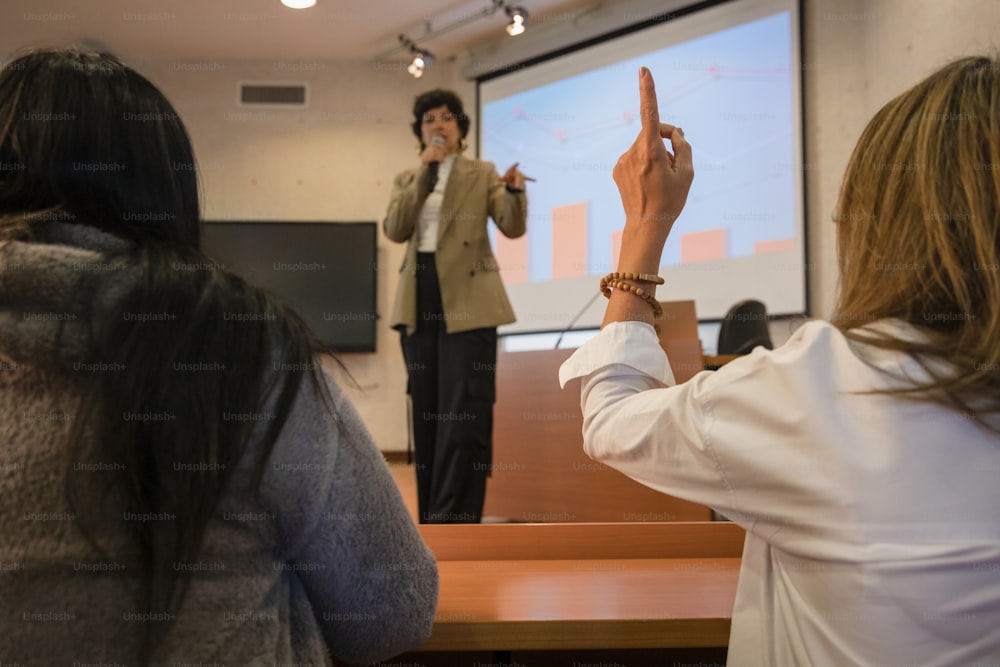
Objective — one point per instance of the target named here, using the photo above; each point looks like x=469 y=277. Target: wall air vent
x=287 y=94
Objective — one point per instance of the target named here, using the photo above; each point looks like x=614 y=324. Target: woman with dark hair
x=449 y=303
x=182 y=483
x=861 y=456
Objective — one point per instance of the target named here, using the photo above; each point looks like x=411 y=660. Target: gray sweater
x=327 y=566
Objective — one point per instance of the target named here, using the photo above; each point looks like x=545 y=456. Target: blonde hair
x=918 y=235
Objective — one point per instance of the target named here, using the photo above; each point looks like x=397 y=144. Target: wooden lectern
x=540 y=472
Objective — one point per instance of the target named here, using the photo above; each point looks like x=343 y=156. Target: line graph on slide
x=731 y=92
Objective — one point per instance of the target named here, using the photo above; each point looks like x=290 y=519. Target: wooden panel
x=540 y=472
x=714 y=362
x=678 y=335
x=496 y=542
x=685 y=357
x=679 y=321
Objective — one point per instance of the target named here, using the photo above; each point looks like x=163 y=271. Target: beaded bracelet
x=620 y=275
x=638 y=291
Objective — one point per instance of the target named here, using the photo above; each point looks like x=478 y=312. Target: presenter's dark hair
x=92 y=142
x=433 y=99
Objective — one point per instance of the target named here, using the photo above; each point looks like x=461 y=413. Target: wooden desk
x=584 y=604
x=717 y=361
x=584 y=586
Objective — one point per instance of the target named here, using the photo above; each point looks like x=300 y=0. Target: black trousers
x=452 y=386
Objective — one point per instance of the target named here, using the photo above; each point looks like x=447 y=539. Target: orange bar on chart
x=569 y=241
x=512 y=258
x=774 y=245
x=703 y=246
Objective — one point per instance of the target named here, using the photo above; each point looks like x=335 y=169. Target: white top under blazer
x=430 y=212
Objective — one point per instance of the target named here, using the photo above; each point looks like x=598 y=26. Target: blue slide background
x=731 y=91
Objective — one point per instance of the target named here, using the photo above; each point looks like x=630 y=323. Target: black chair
x=744 y=328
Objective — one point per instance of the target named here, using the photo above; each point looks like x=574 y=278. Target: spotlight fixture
x=421 y=61
x=518 y=20
x=298 y=4
x=422 y=58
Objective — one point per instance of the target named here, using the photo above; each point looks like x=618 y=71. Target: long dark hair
x=93 y=142
x=88 y=136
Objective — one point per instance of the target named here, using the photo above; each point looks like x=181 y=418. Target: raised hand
x=653 y=184
x=652 y=181
x=514 y=178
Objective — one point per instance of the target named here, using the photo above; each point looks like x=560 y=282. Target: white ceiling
x=336 y=30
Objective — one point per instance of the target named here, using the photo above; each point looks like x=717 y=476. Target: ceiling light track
x=518 y=20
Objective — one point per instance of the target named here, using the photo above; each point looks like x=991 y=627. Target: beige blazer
x=472 y=294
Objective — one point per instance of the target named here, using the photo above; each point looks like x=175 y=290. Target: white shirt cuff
x=634 y=344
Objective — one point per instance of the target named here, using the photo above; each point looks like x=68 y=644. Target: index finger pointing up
x=648 y=109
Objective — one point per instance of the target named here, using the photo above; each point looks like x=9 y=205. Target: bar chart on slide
x=729 y=91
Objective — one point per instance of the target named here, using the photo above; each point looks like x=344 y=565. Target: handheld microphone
x=432 y=167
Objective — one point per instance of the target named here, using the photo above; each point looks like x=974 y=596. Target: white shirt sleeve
x=631 y=343
x=774 y=440
x=636 y=421
x=866 y=514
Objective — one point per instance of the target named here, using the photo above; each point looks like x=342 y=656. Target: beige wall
x=858 y=55
x=333 y=161
x=336 y=160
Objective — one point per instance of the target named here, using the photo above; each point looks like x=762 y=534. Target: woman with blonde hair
x=862 y=456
